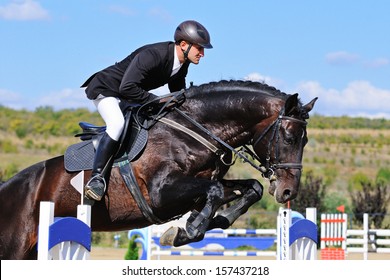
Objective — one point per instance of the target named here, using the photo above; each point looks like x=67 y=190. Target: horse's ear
x=291 y=104
x=309 y=106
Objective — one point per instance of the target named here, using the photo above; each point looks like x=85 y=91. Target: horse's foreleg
x=198 y=222
x=252 y=192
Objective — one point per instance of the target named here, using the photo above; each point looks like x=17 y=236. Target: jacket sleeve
x=143 y=65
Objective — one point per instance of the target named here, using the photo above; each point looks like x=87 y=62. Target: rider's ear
x=183 y=45
x=291 y=104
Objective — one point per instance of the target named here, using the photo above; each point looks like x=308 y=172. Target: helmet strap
x=186 y=52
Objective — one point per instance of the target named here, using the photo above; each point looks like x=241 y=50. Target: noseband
x=270 y=166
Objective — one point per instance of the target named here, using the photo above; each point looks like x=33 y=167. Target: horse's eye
x=289 y=140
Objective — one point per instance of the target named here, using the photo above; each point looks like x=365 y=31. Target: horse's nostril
x=286 y=195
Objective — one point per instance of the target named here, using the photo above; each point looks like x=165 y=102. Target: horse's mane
x=235 y=86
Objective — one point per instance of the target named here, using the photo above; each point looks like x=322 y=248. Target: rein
x=238 y=153
x=220 y=153
x=268 y=170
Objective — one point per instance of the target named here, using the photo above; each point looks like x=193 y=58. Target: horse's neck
x=232 y=121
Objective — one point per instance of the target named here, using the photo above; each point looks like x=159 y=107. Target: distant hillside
x=345 y=122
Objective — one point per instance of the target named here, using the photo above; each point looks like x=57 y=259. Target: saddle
x=138 y=120
x=80 y=156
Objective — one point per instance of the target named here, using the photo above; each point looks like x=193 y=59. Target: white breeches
x=108 y=108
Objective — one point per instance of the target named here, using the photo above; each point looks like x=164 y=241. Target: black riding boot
x=96 y=186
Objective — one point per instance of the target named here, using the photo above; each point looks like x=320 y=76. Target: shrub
x=9 y=171
x=7 y=146
x=372 y=199
x=383 y=176
x=132 y=249
x=311 y=194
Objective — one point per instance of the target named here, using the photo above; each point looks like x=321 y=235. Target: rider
x=147 y=68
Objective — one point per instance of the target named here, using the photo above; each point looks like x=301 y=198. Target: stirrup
x=95 y=192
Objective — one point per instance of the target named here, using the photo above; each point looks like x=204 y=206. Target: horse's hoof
x=168 y=237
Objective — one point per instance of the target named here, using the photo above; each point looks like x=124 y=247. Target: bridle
x=272 y=165
x=268 y=170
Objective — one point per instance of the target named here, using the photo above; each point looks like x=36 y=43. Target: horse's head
x=279 y=142
x=249 y=112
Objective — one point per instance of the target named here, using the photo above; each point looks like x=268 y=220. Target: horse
x=181 y=169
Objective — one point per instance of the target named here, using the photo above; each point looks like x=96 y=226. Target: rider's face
x=196 y=53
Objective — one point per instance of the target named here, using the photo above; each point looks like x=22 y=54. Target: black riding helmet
x=194 y=33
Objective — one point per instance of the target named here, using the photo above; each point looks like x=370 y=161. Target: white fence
x=335 y=235
x=368 y=240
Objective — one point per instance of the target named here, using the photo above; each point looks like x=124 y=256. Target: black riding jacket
x=147 y=68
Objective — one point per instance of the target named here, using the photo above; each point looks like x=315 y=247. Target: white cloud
x=161 y=13
x=10 y=99
x=359 y=98
x=347 y=58
x=122 y=10
x=65 y=99
x=378 y=62
x=7 y=95
x=23 y=10
x=257 y=77
x=341 y=58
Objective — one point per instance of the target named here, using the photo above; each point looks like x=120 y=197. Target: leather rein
x=268 y=170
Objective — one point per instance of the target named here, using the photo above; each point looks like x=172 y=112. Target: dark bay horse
x=176 y=172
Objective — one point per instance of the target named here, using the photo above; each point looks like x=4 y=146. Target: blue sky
x=336 y=50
